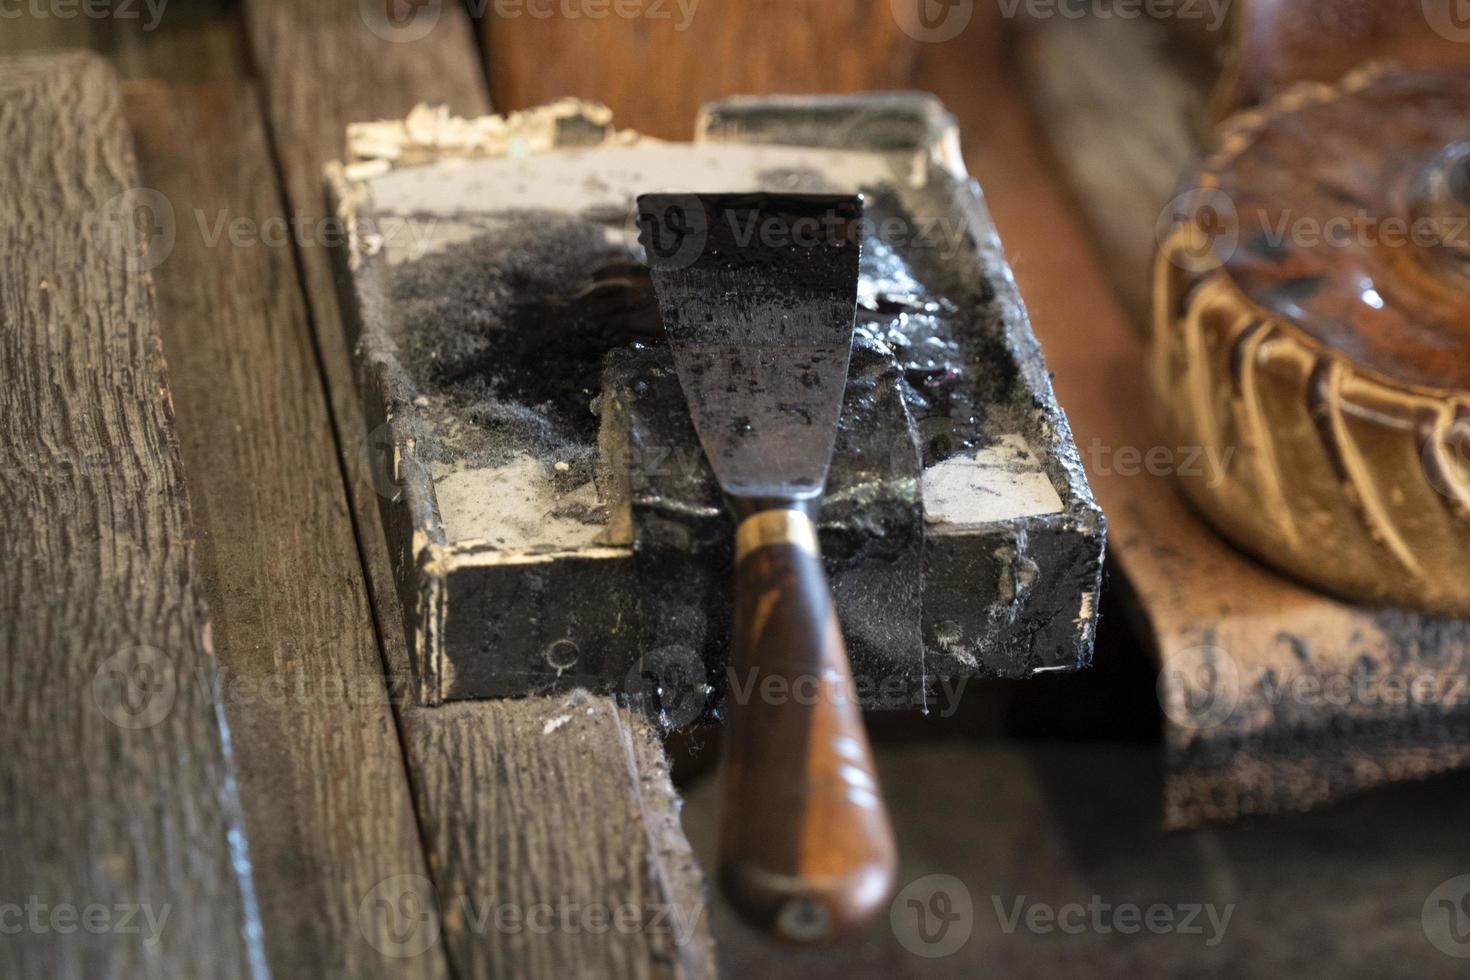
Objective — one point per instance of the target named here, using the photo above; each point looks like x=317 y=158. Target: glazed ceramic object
x=1312 y=336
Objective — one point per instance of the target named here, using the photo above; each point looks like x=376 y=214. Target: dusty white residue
x=964 y=656
x=1001 y=482
x=573 y=700
x=431 y=133
x=608 y=179
x=1084 y=615
x=513 y=507
x=950 y=637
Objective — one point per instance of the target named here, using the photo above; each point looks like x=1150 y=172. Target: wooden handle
x=806 y=849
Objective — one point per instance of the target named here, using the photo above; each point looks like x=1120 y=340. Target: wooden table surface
x=384 y=838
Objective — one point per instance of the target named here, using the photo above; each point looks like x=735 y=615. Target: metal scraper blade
x=758 y=294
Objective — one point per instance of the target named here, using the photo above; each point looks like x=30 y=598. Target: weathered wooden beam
x=510 y=818
x=555 y=839
x=326 y=796
x=117 y=780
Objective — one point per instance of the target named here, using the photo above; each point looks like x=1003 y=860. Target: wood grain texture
x=326 y=795
x=658 y=68
x=555 y=841
x=295 y=47
x=507 y=811
x=116 y=776
x=806 y=847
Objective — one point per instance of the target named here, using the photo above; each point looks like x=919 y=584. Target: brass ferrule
x=772 y=527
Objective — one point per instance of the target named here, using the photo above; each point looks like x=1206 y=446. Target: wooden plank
x=322 y=67
x=476 y=829
x=116 y=776
x=556 y=841
x=326 y=796
x=295 y=47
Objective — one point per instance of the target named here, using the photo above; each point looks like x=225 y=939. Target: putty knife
x=758 y=294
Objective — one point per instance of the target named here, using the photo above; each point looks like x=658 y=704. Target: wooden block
x=1014 y=539
x=118 y=783
x=326 y=796
x=659 y=62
